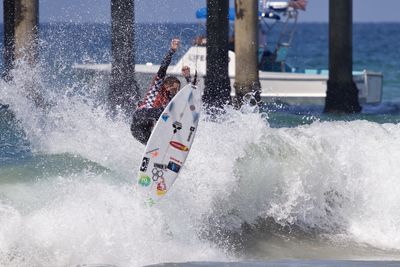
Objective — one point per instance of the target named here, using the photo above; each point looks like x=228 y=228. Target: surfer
x=162 y=89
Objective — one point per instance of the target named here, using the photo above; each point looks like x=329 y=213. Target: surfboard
x=170 y=143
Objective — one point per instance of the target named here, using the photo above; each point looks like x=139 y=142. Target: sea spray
x=74 y=199
x=69 y=215
x=333 y=179
x=72 y=121
x=336 y=180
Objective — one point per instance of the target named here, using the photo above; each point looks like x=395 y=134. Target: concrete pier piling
x=21 y=27
x=123 y=91
x=9 y=38
x=217 y=83
x=21 y=41
x=246 y=49
x=27 y=30
x=342 y=93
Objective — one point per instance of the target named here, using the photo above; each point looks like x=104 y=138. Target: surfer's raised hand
x=175 y=44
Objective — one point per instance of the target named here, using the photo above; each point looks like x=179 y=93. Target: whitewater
x=248 y=191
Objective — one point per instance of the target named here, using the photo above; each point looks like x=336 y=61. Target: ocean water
x=285 y=187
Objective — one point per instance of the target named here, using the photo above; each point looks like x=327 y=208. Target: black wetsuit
x=143 y=122
x=148 y=112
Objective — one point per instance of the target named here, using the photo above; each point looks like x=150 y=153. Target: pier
x=342 y=93
x=246 y=50
x=217 y=85
x=123 y=87
x=21 y=42
x=21 y=26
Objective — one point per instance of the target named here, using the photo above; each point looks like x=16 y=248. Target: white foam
x=339 y=177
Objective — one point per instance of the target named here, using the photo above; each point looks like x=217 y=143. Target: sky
x=171 y=11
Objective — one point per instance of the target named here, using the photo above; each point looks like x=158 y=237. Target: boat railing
x=272 y=13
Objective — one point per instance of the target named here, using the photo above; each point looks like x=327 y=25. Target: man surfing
x=162 y=89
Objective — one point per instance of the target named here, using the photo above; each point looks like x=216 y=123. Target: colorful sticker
x=144 y=180
x=161 y=187
x=154 y=152
x=151 y=201
x=174 y=159
x=179 y=146
x=145 y=164
x=174 y=166
x=164 y=117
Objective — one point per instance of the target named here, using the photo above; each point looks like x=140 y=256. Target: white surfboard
x=170 y=143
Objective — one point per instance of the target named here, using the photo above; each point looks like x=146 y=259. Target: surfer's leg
x=143 y=122
x=154 y=113
x=151 y=115
x=141 y=126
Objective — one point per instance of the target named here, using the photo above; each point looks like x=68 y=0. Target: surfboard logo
x=157 y=174
x=176 y=160
x=144 y=180
x=191 y=133
x=160 y=166
x=161 y=187
x=151 y=201
x=154 y=152
x=164 y=117
x=177 y=126
x=174 y=166
x=179 y=146
x=145 y=164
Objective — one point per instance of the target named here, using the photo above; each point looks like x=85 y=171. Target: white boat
x=308 y=87
x=278 y=80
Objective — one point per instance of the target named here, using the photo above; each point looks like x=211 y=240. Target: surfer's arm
x=162 y=72
x=157 y=81
x=159 y=78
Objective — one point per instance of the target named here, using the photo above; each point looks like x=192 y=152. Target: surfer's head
x=171 y=85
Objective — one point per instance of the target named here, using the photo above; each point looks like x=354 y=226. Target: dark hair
x=170 y=80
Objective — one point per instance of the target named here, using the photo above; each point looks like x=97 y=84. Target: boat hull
x=296 y=88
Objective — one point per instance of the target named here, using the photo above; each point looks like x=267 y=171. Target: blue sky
x=184 y=10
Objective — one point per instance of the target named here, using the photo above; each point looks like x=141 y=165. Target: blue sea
x=286 y=186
